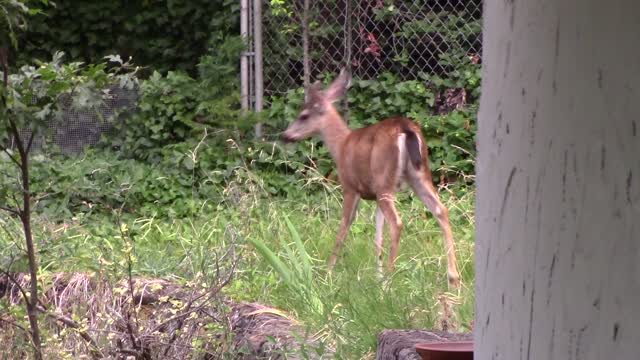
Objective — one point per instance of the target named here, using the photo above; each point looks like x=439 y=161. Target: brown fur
x=372 y=153
x=372 y=163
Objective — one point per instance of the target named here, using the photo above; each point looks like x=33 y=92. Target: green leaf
x=273 y=260
x=307 y=271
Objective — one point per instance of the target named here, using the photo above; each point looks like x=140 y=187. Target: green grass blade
x=273 y=260
x=302 y=251
x=293 y=260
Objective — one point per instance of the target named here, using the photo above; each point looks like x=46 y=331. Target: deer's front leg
x=349 y=206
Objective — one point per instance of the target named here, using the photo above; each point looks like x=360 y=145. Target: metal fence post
x=306 y=60
x=258 y=75
x=244 y=60
x=348 y=44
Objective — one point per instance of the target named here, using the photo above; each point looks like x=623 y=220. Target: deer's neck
x=334 y=134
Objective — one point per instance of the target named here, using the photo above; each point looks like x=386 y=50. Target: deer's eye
x=303 y=117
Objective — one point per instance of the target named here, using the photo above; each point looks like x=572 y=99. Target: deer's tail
x=413 y=147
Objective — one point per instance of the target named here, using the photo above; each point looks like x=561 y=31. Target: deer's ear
x=339 y=87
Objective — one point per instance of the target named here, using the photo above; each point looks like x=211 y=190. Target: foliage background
x=190 y=51
x=160 y=34
x=184 y=167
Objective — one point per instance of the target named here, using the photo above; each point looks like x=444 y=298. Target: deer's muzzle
x=287 y=138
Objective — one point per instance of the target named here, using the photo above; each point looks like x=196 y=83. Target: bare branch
x=19 y=327
x=67 y=321
x=30 y=142
x=15 y=200
x=10 y=210
x=17 y=284
x=130 y=332
x=16 y=325
x=13 y=239
x=208 y=295
x=6 y=151
x=16 y=135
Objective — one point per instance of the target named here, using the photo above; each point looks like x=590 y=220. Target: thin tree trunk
x=32 y=308
x=348 y=44
x=4 y=63
x=306 y=58
x=558 y=244
x=25 y=214
x=25 y=217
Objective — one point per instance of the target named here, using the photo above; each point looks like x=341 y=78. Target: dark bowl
x=452 y=350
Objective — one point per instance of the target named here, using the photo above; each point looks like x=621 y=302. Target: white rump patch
x=402 y=157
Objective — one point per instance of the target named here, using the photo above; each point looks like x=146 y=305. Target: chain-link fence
x=306 y=40
x=407 y=38
x=81 y=128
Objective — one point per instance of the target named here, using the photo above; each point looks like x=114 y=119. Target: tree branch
x=6 y=151
x=4 y=63
x=30 y=142
x=17 y=326
x=17 y=284
x=67 y=321
x=16 y=135
x=95 y=351
x=10 y=210
x=15 y=200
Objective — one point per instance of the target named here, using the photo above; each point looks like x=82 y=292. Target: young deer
x=372 y=164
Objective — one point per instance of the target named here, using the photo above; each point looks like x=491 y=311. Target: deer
x=373 y=163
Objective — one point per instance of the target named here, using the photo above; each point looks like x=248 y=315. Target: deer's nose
x=286 y=137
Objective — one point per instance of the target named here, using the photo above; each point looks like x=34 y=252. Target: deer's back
x=373 y=160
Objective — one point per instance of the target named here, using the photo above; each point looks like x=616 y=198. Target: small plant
x=30 y=100
x=296 y=270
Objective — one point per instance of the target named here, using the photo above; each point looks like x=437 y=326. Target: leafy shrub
x=34 y=99
x=189 y=177
x=98 y=183
x=450 y=135
x=177 y=107
x=164 y=35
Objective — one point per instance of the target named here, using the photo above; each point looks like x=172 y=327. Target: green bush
x=188 y=178
x=451 y=135
x=163 y=35
x=177 y=107
x=170 y=127
x=97 y=183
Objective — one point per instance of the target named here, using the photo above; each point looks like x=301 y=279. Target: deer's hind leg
x=421 y=183
x=379 y=237
x=388 y=209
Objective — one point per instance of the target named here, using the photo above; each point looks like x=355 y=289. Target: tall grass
x=356 y=303
x=285 y=244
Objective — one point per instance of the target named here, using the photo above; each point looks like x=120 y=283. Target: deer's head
x=318 y=109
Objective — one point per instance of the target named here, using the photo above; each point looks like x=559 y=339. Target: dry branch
x=172 y=318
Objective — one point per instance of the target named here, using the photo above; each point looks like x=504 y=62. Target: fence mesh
x=407 y=38
x=81 y=128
